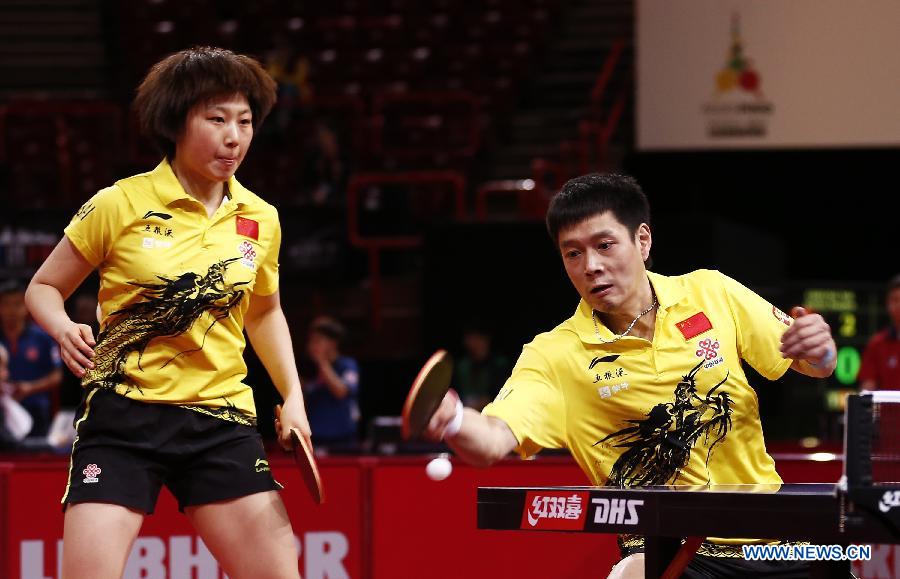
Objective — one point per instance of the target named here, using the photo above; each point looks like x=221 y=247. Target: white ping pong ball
x=439 y=468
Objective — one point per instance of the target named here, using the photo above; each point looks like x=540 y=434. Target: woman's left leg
x=250 y=536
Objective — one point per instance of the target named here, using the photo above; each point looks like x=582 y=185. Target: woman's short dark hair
x=182 y=80
x=583 y=197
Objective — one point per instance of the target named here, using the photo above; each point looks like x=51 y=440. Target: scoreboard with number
x=800 y=407
x=855 y=312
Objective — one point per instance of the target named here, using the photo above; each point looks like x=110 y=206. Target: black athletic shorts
x=125 y=450
x=703 y=567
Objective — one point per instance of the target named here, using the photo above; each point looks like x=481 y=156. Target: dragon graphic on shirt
x=659 y=446
x=168 y=309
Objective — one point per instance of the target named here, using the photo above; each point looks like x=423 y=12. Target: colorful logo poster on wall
x=738 y=107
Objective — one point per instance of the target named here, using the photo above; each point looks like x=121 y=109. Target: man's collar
x=668 y=293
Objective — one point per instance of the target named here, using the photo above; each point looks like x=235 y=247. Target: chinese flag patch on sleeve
x=694 y=325
x=248 y=228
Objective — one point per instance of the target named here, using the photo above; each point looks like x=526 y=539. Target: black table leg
x=658 y=553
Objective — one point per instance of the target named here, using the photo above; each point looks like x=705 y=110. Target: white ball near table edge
x=439 y=468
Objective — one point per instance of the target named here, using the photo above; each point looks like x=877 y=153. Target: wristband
x=456 y=424
x=826 y=359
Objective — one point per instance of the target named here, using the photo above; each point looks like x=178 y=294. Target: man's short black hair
x=583 y=197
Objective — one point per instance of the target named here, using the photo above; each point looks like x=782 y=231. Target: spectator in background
x=35 y=368
x=7 y=440
x=880 y=368
x=290 y=69
x=332 y=395
x=479 y=372
x=324 y=175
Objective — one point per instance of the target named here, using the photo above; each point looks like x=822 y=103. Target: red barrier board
x=383 y=519
x=804 y=469
x=329 y=537
x=425 y=528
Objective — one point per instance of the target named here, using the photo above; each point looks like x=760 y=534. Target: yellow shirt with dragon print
x=174 y=287
x=677 y=410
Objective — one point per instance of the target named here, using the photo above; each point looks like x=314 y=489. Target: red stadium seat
x=60 y=152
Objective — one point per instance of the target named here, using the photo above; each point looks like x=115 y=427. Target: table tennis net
x=872 y=439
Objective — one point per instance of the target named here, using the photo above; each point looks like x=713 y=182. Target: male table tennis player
x=644 y=384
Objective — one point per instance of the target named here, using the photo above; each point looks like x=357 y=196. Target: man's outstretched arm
x=481 y=440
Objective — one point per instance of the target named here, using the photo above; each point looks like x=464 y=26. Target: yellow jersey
x=174 y=287
x=677 y=410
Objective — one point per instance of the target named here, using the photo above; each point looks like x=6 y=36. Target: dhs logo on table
x=616 y=511
x=554 y=511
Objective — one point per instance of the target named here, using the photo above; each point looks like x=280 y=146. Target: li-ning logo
x=889 y=500
x=616 y=511
x=261 y=465
x=560 y=511
x=90 y=472
x=150 y=214
x=610 y=358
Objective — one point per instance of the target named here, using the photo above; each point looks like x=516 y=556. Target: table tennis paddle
x=426 y=394
x=306 y=462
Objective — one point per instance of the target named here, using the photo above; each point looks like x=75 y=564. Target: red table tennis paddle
x=426 y=394
x=306 y=462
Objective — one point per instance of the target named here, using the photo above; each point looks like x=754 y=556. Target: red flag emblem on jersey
x=248 y=228
x=694 y=325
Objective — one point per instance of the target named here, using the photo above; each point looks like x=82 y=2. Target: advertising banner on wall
x=383 y=518
x=328 y=538
x=767 y=74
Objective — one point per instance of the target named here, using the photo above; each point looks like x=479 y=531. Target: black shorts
x=126 y=450
x=703 y=567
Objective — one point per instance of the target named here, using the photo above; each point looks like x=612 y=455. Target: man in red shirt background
x=880 y=369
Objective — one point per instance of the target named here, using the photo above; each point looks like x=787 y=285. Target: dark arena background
x=411 y=155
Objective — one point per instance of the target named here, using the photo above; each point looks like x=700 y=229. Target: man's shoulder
x=692 y=282
x=698 y=277
x=556 y=341
x=707 y=286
